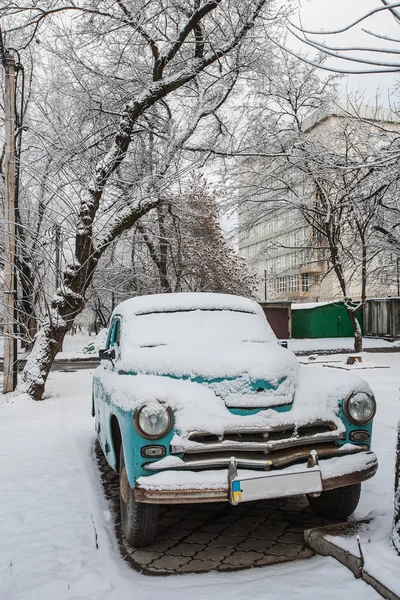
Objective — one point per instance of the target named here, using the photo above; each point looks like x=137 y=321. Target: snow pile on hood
x=197 y=408
x=209 y=361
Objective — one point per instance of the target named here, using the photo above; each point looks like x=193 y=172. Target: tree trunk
x=396 y=521
x=48 y=342
x=27 y=311
x=358 y=341
x=32 y=328
x=65 y=306
x=163 y=264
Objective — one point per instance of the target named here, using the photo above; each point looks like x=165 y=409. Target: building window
x=304 y=282
x=293 y=283
x=279 y=264
x=292 y=260
x=281 y=285
x=271 y=226
x=315 y=279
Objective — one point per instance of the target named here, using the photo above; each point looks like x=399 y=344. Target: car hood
x=197 y=407
x=243 y=374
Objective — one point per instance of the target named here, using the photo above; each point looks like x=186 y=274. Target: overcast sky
x=325 y=15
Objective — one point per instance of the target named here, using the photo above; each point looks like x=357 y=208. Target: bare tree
x=201 y=258
x=157 y=51
x=383 y=58
x=179 y=247
x=377 y=57
x=333 y=180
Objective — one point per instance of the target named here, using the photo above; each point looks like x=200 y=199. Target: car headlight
x=359 y=407
x=153 y=420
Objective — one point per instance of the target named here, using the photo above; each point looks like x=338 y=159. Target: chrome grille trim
x=269 y=429
x=261 y=443
x=253 y=446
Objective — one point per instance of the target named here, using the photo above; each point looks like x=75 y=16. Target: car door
x=103 y=407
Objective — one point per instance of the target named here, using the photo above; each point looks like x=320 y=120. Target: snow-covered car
x=195 y=401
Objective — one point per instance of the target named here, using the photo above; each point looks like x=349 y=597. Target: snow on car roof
x=185 y=301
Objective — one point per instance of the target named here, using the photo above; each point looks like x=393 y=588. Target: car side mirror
x=108 y=354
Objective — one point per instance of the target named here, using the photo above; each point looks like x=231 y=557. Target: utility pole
x=10 y=342
x=57 y=242
x=265 y=285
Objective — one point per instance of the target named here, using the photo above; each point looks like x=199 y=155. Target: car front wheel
x=139 y=521
x=339 y=503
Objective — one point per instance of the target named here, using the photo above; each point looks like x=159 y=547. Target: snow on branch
x=366 y=15
x=341 y=53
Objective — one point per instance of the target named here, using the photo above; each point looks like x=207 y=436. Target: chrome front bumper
x=336 y=472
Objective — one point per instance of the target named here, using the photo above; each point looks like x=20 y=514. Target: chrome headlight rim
x=349 y=416
x=149 y=436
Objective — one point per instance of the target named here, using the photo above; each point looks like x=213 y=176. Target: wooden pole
x=9 y=229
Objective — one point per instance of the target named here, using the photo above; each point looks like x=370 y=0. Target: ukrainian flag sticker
x=236 y=491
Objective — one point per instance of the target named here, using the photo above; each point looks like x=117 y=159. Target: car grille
x=266 y=440
x=266 y=449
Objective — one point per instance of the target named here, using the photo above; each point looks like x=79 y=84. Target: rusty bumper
x=331 y=479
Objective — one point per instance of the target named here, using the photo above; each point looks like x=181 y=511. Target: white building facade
x=290 y=259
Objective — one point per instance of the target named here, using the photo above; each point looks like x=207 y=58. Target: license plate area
x=276 y=485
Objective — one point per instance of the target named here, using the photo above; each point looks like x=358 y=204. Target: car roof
x=185 y=301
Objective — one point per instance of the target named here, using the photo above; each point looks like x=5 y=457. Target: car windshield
x=157 y=329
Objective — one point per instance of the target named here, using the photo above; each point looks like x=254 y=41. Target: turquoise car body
x=115 y=424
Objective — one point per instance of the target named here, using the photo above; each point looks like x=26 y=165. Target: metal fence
x=382 y=317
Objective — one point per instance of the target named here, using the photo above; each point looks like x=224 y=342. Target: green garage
x=321 y=320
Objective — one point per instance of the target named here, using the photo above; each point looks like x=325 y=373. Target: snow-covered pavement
x=57 y=540
x=345 y=344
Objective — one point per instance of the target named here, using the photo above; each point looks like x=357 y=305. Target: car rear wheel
x=139 y=521
x=339 y=503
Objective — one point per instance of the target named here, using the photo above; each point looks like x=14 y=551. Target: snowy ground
x=52 y=511
x=339 y=344
x=377 y=500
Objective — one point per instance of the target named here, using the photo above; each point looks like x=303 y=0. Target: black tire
x=339 y=503
x=139 y=521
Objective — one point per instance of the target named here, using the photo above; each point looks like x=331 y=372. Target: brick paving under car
x=197 y=538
